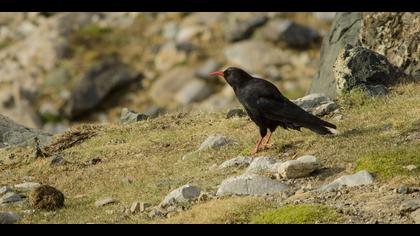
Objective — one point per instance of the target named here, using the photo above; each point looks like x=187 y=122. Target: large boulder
x=364 y=68
x=99 y=81
x=394 y=35
x=13 y=134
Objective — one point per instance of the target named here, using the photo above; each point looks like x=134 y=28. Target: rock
x=105 y=201
x=324 y=16
x=206 y=68
x=135 y=207
x=301 y=167
x=316 y=104
x=155 y=111
x=416 y=216
x=46 y=197
x=27 y=186
x=187 y=33
x=262 y=165
x=396 y=40
x=128 y=116
x=250 y=185
x=97 y=83
x=144 y=206
x=410 y=167
x=360 y=178
x=409 y=206
x=57 y=160
x=293 y=34
x=403 y=189
x=156 y=212
x=13 y=134
x=244 y=29
x=5 y=189
x=376 y=90
x=163 y=91
x=10 y=197
x=194 y=91
x=254 y=55
x=182 y=194
x=8 y=218
x=236 y=162
x=168 y=57
x=214 y=141
x=170 y=30
x=357 y=66
x=236 y=113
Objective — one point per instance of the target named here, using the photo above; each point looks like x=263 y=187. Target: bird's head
x=234 y=76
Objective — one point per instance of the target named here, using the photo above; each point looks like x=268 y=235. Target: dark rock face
x=13 y=134
x=99 y=81
x=394 y=35
x=46 y=197
x=361 y=67
x=344 y=30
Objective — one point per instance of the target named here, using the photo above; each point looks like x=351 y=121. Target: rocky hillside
x=195 y=168
x=62 y=69
x=111 y=118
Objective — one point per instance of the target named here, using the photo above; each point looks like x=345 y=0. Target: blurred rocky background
x=59 y=69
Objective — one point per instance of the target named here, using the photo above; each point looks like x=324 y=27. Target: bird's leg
x=266 y=143
x=257 y=147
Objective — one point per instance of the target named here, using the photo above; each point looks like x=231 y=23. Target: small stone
x=358 y=179
x=409 y=206
x=410 y=167
x=57 y=160
x=236 y=113
x=28 y=186
x=103 y=202
x=236 y=162
x=135 y=207
x=403 y=189
x=416 y=216
x=10 y=197
x=128 y=116
x=46 y=197
x=8 y=218
x=262 y=165
x=214 y=141
x=316 y=104
x=144 y=206
x=4 y=190
x=155 y=212
x=171 y=209
x=301 y=167
x=243 y=30
x=182 y=194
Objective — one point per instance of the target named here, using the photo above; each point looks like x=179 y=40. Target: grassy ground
x=142 y=161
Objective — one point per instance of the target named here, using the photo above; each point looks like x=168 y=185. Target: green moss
x=390 y=163
x=299 y=214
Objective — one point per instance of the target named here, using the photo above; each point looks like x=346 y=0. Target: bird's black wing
x=286 y=111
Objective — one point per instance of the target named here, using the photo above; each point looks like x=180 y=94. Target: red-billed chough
x=268 y=108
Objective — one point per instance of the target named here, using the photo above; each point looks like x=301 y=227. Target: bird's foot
x=254 y=151
x=267 y=146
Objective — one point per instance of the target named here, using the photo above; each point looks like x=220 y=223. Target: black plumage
x=268 y=108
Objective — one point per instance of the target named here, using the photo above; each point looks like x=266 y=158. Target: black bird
x=268 y=108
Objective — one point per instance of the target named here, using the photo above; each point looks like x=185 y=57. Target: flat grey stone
x=236 y=162
x=301 y=167
x=105 y=201
x=8 y=218
x=250 y=185
x=360 y=178
x=182 y=194
x=10 y=197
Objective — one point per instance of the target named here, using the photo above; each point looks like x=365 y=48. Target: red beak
x=217 y=73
